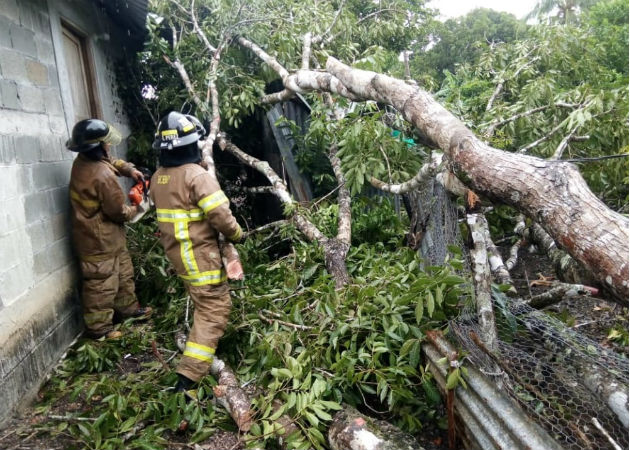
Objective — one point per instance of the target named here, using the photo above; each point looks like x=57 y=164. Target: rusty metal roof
x=130 y=15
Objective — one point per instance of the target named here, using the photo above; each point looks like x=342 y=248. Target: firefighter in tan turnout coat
x=99 y=210
x=191 y=212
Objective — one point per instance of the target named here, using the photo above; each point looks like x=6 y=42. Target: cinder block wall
x=39 y=306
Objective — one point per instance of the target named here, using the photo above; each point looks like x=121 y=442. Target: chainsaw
x=140 y=190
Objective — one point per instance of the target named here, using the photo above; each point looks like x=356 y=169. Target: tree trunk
x=335 y=252
x=350 y=430
x=551 y=192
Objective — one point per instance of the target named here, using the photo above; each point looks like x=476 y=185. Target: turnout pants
x=108 y=288
x=212 y=311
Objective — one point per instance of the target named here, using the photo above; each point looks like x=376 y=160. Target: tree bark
x=551 y=192
x=350 y=430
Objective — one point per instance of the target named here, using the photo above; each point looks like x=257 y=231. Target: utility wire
x=595 y=158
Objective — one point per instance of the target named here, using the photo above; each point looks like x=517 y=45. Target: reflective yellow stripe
x=185 y=246
x=237 y=235
x=198 y=351
x=180 y=219
x=208 y=277
x=74 y=195
x=212 y=201
x=176 y=215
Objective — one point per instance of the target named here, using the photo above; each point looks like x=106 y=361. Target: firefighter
x=191 y=212
x=98 y=214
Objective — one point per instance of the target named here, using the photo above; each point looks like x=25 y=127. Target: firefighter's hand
x=137 y=175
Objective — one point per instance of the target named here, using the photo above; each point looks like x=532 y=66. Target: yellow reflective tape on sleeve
x=212 y=201
x=198 y=351
x=237 y=235
x=74 y=195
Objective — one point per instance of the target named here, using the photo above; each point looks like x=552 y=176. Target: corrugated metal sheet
x=130 y=15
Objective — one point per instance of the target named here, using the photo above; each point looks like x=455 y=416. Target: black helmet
x=88 y=135
x=177 y=130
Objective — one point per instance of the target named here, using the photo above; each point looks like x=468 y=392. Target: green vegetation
x=292 y=336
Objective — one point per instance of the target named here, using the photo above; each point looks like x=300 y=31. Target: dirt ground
x=594 y=317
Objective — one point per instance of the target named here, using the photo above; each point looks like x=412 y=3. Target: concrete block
x=7 y=149
x=53 y=76
x=43 y=176
x=19 y=383
x=60 y=199
x=10 y=220
x=40 y=234
x=52 y=102
x=23 y=40
x=27 y=14
x=10 y=248
x=50 y=148
x=5 y=37
x=10 y=9
x=17 y=280
x=9 y=94
x=27 y=149
x=37 y=73
x=60 y=226
x=32 y=98
x=45 y=50
x=41 y=23
x=13 y=184
x=37 y=206
x=12 y=65
x=61 y=172
x=60 y=253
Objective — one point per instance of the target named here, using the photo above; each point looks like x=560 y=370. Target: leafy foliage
x=306 y=346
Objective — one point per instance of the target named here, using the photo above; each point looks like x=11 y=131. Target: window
x=80 y=74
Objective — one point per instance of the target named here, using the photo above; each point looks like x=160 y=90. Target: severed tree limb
x=497 y=268
x=565 y=267
x=425 y=173
x=229 y=394
x=546 y=137
x=334 y=248
x=558 y=292
x=277 y=223
x=557 y=154
x=481 y=277
x=552 y=192
x=260 y=190
x=510 y=263
x=340 y=245
x=351 y=430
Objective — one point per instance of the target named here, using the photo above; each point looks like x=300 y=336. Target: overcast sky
x=455 y=8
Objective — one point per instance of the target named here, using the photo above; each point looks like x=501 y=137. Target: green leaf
x=452 y=379
x=419 y=310
x=430 y=304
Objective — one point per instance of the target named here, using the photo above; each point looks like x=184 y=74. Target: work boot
x=114 y=334
x=107 y=334
x=187 y=386
x=142 y=313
